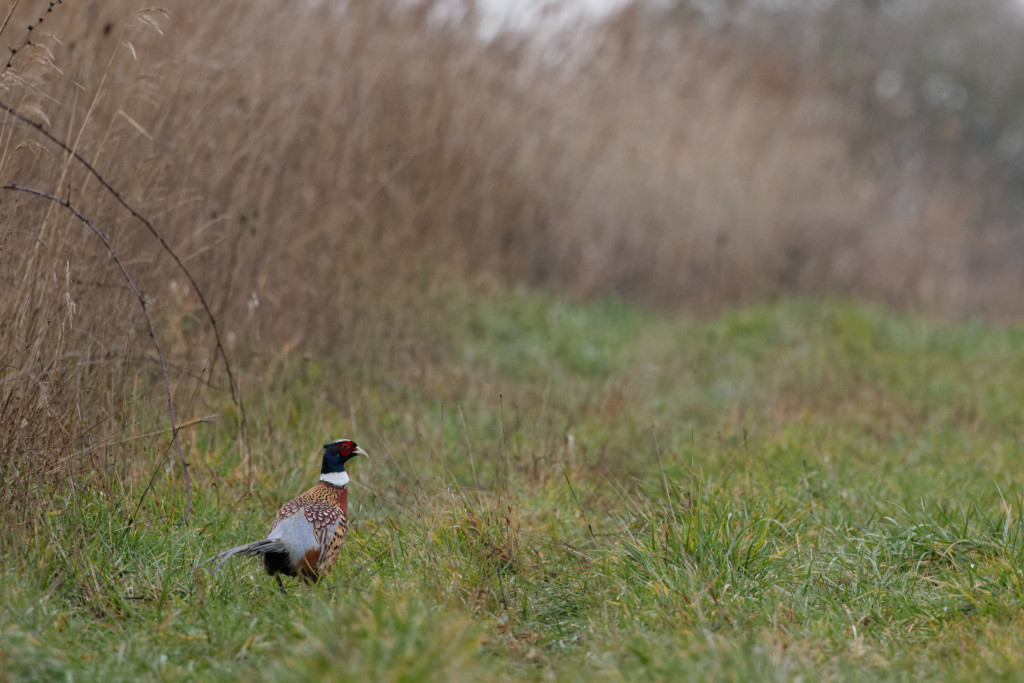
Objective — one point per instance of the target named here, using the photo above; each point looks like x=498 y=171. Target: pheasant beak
x=360 y=451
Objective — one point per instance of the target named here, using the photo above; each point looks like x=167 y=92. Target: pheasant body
x=306 y=536
x=312 y=527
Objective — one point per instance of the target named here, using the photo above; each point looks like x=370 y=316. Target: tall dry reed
x=321 y=170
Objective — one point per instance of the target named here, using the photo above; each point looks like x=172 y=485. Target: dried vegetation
x=325 y=172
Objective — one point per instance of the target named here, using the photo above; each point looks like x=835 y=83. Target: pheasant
x=307 y=533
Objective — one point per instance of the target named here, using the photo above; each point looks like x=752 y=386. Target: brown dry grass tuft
x=325 y=171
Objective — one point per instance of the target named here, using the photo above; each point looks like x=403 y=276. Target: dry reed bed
x=321 y=170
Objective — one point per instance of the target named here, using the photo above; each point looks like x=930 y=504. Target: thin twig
x=235 y=394
x=7 y=19
x=104 y=444
x=145 y=492
x=145 y=312
x=582 y=511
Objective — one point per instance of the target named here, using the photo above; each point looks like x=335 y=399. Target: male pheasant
x=306 y=536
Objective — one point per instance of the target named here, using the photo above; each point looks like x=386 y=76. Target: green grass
x=580 y=492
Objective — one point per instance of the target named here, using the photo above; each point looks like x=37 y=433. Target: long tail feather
x=259 y=548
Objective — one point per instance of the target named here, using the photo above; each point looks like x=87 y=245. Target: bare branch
x=235 y=395
x=149 y=322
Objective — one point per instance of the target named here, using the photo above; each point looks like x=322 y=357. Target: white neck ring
x=336 y=478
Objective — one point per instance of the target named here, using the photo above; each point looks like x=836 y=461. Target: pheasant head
x=336 y=454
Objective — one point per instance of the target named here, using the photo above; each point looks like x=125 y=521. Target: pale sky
x=521 y=14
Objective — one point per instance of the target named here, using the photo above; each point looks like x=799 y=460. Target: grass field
x=579 y=492
x=587 y=299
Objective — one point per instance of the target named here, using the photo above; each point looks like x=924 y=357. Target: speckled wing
x=326 y=519
x=328 y=558
x=287 y=510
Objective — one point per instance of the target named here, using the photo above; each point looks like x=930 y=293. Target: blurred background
x=340 y=177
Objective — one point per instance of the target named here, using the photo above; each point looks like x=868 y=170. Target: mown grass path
x=580 y=492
